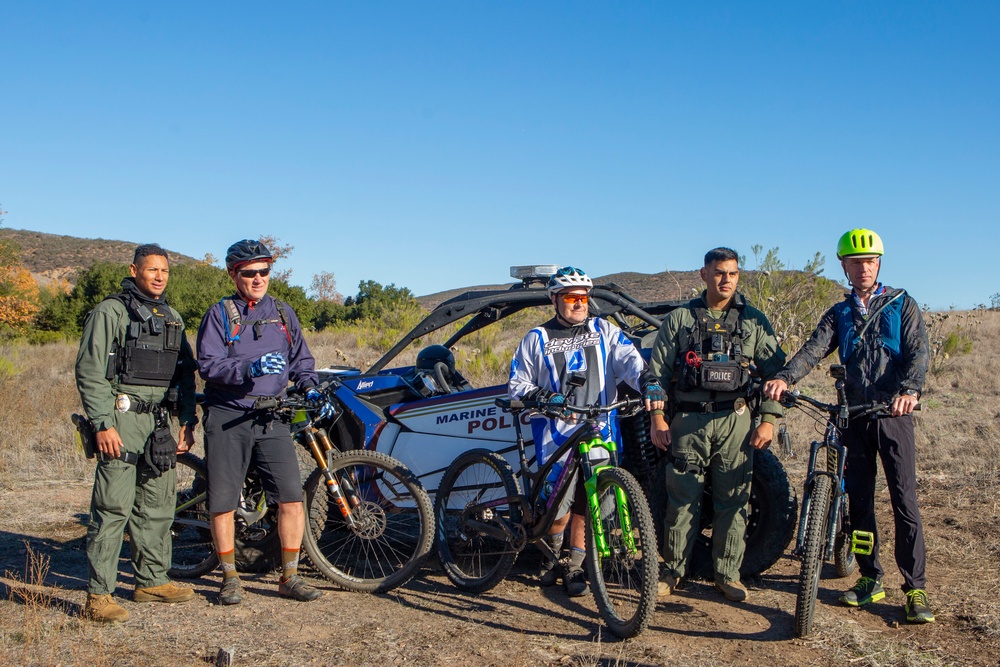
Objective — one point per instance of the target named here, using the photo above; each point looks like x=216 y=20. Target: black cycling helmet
x=429 y=357
x=246 y=251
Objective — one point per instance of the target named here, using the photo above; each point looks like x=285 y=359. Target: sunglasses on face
x=252 y=273
x=574 y=298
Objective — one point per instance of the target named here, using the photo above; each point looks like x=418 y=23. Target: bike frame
x=580 y=443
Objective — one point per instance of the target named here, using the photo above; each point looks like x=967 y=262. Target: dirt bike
x=824 y=528
x=369 y=522
x=484 y=520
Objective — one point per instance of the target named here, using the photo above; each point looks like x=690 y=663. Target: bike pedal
x=862 y=542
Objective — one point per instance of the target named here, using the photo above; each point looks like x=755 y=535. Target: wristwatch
x=910 y=392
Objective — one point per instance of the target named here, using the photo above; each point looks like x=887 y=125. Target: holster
x=85 y=434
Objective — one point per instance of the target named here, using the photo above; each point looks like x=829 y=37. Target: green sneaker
x=865 y=591
x=917 y=608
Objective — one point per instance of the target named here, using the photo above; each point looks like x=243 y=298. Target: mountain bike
x=824 y=526
x=484 y=520
x=369 y=522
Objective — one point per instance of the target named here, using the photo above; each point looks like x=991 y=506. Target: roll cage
x=487 y=307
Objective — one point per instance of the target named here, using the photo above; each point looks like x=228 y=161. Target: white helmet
x=569 y=278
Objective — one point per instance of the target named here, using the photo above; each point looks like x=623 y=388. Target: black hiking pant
x=892 y=440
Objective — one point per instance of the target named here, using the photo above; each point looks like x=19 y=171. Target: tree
x=19 y=295
x=324 y=288
x=792 y=300
x=278 y=251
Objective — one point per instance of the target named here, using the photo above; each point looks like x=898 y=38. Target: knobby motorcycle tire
x=812 y=555
x=394 y=523
x=624 y=584
x=476 y=562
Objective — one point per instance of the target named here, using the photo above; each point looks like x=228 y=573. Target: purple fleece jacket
x=225 y=367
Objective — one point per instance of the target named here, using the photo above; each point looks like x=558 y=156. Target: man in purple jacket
x=251 y=345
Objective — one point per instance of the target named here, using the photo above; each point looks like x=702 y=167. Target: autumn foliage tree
x=19 y=294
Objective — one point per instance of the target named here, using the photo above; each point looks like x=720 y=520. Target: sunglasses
x=252 y=273
x=574 y=298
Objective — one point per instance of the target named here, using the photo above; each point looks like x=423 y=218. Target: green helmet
x=859 y=242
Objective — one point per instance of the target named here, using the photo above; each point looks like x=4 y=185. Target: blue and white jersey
x=548 y=354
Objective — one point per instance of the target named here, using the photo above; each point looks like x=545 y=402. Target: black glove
x=161 y=450
x=545 y=396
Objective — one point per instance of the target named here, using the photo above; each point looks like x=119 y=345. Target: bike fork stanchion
x=332 y=486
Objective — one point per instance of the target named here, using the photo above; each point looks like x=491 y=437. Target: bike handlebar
x=790 y=399
x=564 y=409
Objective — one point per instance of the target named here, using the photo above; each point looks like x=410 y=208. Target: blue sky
x=433 y=145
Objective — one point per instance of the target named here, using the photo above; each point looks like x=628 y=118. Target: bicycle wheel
x=193 y=551
x=812 y=555
x=393 y=523
x=257 y=544
x=473 y=508
x=623 y=582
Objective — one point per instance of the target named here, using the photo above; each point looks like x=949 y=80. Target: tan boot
x=168 y=592
x=666 y=586
x=733 y=590
x=103 y=608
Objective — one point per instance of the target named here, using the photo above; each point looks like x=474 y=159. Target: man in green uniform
x=704 y=353
x=132 y=350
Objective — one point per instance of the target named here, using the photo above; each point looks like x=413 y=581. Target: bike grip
x=265 y=403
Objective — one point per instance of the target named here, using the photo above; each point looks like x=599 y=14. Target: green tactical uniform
x=710 y=433
x=125 y=493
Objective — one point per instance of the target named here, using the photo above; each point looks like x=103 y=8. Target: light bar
x=533 y=271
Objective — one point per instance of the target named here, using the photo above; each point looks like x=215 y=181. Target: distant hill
x=52 y=257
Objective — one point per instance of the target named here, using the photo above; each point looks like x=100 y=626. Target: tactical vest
x=713 y=359
x=232 y=322
x=152 y=344
x=889 y=317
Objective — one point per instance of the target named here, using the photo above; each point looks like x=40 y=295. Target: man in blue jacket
x=250 y=345
x=881 y=340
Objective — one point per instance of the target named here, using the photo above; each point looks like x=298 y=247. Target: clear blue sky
x=433 y=145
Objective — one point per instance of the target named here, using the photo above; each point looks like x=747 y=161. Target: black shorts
x=235 y=437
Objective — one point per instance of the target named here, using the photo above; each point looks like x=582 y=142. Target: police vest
x=889 y=317
x=713 y=358
x=152 y=344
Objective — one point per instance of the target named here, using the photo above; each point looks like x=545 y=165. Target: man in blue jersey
x=571 y=343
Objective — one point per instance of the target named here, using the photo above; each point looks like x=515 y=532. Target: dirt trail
x=431 y=623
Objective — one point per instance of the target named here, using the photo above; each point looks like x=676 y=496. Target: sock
x=228 y=562
x=289 y=563
x=576 y=557
x=555 y=542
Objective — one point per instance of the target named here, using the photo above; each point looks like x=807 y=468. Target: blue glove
x=654 y=392
x=271 y=363
x=326 y=409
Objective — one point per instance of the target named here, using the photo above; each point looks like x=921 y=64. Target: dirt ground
x=428 y=622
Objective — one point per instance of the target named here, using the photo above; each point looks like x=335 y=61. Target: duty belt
x=127 y=403
x=706 y=407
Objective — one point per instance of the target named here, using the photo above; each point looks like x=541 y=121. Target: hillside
x=53 y=256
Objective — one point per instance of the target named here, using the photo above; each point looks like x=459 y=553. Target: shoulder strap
x=231 y=320
x=281 y=305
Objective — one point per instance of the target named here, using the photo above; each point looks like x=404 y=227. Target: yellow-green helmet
x=860 y=243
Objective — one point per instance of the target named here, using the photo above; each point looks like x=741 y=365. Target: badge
x=740 y=406
x=122 y=403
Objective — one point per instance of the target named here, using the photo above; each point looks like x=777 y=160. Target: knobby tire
x=624 y=583
x=394 y=523
x=472 y=559
x=812 y=555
